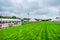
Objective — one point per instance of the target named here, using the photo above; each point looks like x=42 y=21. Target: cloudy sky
x=35 y=8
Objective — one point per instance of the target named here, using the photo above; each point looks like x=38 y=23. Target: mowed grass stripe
x=43 y=32
x=57 y=31
x=49 y=34
x=54 y=36
x=54 y=30
x=32 y=31
x=35 y=31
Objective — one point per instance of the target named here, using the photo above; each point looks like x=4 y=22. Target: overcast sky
x=35 y=8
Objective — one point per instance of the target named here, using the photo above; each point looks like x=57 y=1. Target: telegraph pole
x=59 y=15
x=28 y=15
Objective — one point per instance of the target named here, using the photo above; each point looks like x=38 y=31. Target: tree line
x=14 y=17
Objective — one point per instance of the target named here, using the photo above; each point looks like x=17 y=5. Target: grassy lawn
x=32 y=31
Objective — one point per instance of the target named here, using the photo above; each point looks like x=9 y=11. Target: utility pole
x=59 y=15
x=28 y=15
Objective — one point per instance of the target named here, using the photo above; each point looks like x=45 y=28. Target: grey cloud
x=54 y=2
x=36 y=8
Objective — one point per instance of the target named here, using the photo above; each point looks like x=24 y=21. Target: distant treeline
x=14 y=17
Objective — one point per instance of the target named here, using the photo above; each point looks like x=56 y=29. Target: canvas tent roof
x=32 y=20
x=9 y=19
x=56 y=20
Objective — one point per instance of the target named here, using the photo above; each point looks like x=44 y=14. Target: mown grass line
x=54 y=36
x=56 y=30
x=33 y=31
x=43 y=32
x=56 y=33
x=46 y=31
x=50 y=31
x=25 y=34
x=49 y=34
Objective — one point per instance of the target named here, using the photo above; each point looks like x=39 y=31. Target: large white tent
x=2 y=19
x=32 y=20
x=7 y=22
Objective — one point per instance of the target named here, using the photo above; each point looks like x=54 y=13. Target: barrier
x=0 y=25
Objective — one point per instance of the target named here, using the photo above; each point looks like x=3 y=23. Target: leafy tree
x=27 y=19
x=14 y=17
x=1 y=16
x=49 y=19
x=46 y=19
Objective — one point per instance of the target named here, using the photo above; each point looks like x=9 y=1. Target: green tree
x=14 y=17
x=27 y=19
x=1 y=16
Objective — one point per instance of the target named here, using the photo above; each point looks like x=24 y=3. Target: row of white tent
x=11 y=20
x=2 y=19
x=7 y=24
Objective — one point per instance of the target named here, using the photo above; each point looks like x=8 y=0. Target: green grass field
x=32 y=31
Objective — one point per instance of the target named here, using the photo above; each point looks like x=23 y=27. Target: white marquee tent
x=9 y=19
